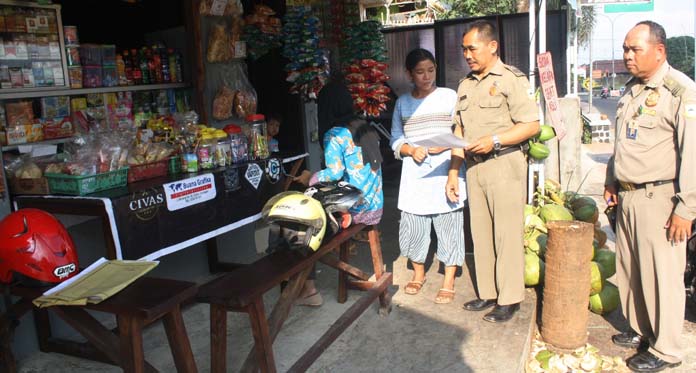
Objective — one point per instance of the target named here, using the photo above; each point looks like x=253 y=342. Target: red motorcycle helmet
x=35 y=244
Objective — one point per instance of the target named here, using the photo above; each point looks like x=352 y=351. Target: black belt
x=478 y=158
x=627 y=187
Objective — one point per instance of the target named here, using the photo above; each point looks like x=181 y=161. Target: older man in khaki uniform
x=652 y=178
x=495 y=114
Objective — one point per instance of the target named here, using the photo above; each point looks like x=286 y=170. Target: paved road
x=604 y=105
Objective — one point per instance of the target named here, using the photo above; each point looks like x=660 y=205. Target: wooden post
x=567 y=284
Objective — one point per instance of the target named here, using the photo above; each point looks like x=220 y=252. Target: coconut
x=600 y=236
x=533 y=222
x=533 y=270
x=538 y=151
x=607 y=260
x=606 y=300
x=536 y=243
x=589 y=214
x=551 y=211
x=546 y=133
x=596 y=281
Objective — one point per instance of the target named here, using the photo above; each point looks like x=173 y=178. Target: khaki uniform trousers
x=496 y=194
x=649 y=270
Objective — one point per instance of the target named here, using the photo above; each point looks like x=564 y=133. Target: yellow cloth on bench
x=95 y=283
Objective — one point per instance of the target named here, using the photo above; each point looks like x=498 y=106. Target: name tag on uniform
x=631 y=130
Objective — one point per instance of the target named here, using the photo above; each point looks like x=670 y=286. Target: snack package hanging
x=364 y=53
x=235 y=97
x=308 y=66
x=219 y=44
x=262 y=32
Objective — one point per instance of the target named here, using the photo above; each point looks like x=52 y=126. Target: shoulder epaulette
x=676 y=88
x=514 y=70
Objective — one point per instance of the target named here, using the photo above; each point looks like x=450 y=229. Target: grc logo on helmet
x=64 y=271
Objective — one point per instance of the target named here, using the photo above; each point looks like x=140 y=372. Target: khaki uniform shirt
x=656 y=135
x=495 y=102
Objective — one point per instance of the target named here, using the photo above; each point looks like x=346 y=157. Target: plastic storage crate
x=147 y=170
x=81 y=185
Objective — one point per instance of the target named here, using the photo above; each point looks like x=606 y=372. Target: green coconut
x=538 y=151
x=533 y=270
x=578 y=201
x=551 y=185
x=546 y=133
x=607 y=260
x=536 y=243
x=551 y=211
x=529 y=210
x=589 y=214
x=600 y=236
x=596 y=281
x=606 y=300
x=534 y=222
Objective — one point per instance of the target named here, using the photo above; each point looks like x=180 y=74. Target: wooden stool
x=143 y=302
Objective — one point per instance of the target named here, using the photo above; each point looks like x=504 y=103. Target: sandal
x=444 y=296
x=413 y=287
x=312 y=300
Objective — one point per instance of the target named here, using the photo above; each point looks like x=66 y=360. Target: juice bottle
x=164 y=66
x=171 y=60
x=121 y=70
x=128 y=67
x=144 y=68
x=137 y=72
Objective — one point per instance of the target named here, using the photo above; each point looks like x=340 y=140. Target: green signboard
x=626 y=8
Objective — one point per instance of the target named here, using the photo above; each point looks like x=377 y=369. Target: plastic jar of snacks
x=238 y=143
x=258 y=141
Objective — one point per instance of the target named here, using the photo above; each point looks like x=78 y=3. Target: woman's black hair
x=414 y=57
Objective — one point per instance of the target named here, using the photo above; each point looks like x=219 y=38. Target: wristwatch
x=496 y=143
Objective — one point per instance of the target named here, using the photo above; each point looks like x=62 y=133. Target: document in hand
x=95 y=283
x=446 y=140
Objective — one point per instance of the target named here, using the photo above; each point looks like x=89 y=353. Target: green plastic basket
x=81 y=185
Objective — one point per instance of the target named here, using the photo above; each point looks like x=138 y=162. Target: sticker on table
x=188 y=192
x=253 y=175
x=145 y=204
x=231 y=178
x=273 y=170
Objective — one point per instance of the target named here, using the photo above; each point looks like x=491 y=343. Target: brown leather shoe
x=479 y=304
x=502 y=313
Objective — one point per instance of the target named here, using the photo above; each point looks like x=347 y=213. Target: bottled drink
x=150 y=65
x=157 y=64
x=164 y=63
x=128 y=67
x=179 y=76
x=121 y=70
x=171 y=60
x=135 y=65
x=144 y=67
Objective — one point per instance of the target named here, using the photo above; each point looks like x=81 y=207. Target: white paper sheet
x=447 y=140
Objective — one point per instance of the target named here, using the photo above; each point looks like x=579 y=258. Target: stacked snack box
x=72 y=54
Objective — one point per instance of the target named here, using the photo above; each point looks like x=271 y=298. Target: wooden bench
x=242 y=291
x=145 y=301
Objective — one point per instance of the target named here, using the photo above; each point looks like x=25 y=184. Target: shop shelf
x=17 y=93
x=45 y=142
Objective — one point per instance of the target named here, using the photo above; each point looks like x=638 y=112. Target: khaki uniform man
x=652 y=177
x=495 y=114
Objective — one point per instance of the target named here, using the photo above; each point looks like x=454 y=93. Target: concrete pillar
x=310 y=131
x=563 y=164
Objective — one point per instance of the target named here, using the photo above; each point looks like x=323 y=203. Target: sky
x=676 y=16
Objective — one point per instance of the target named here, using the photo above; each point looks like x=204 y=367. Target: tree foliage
x=680 y=54
x=586 y=24
x=477 y=8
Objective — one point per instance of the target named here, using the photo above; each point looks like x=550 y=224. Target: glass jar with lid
x=258 y=140
x=238 y=143
x=222 y=149
x=206 y=152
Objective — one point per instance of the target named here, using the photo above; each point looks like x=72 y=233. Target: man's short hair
x=486 y=30
x=657 y=32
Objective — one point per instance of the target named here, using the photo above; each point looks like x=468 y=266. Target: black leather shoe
x=502 y=313
x=479 y=304
x=647 y=362
x=629 y=339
